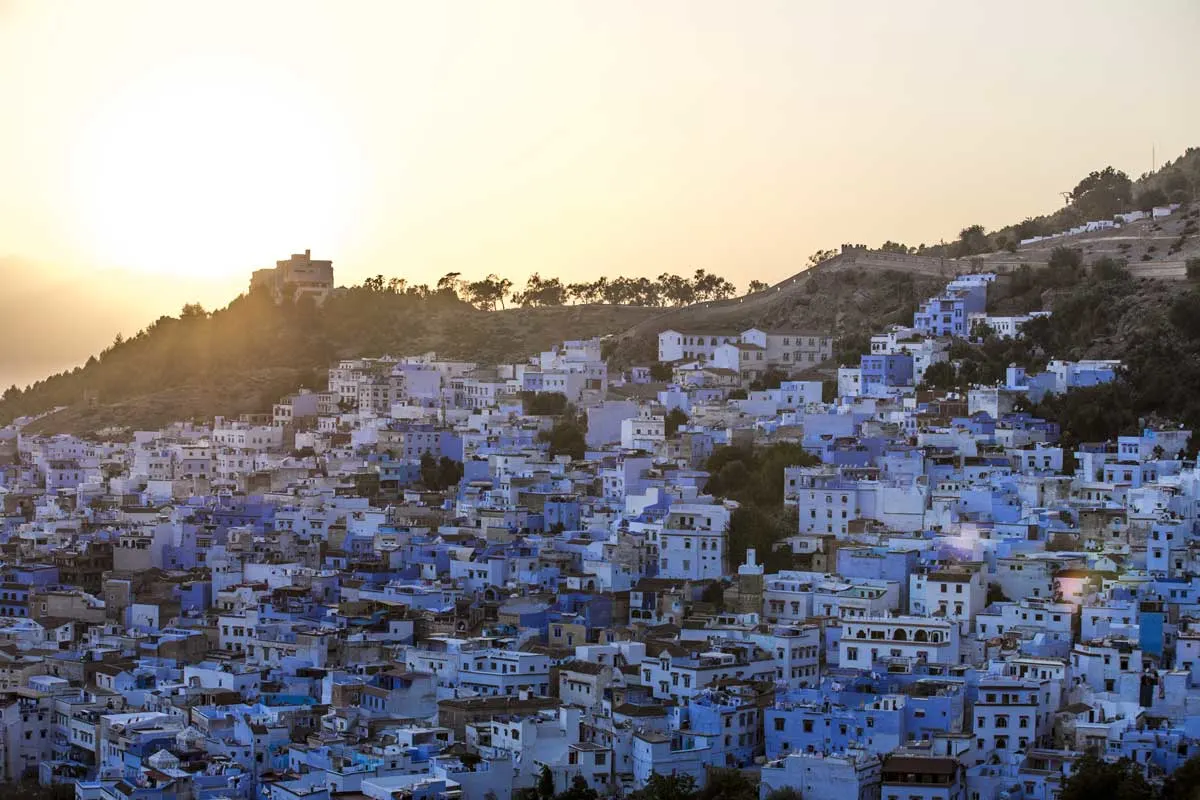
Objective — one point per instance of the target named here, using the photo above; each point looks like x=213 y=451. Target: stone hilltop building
x=296 y=277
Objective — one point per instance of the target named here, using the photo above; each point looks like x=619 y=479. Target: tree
x=995 y=594
x=1096 y=779
x=449 y=284
x=661 y=371
x=972 y=241
x=450 y=472
x=941 y=375
x=1192 y=265
x=579 y=790
x=707 y=286
x=437 y=475
x=676 y=289
x=500 y=288
x=820 y=257
x=565 y=438
x=981 y=331
x=1109 y=269
x=549 y=404
x=1177 y=182
x=429 y=471
x=674 y=419
x=581 y=292
x=30 y=789
x=1063 y=267
x=771 y=379
x=487 y=292
x=1148 y=199
x=1183 y=783
x=1185 y=314
x=193 y=311
x=1092 y=413
x=714 y=595
x=541 y=291
x=667 y=787
x=1028 y=228
x=894 y=247
x=785 y=793
x=728 y=784
x=849 y=349
x=598 y=290
x=1102 y=194
x=754 y=475
x=545 y=784
x=757 y=286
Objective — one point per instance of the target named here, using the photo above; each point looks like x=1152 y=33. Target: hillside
x=1153 y=248
x=849 y=294
x=1098 y=196
x=242 y=358
x=1101 y=310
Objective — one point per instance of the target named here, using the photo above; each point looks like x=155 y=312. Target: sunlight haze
x=155 y=153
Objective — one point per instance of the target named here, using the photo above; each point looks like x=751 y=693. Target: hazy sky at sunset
x=153 y=153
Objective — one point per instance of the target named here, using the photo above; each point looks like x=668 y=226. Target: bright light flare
x=213 y=166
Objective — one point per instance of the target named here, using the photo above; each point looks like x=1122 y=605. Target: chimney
x=308 y=255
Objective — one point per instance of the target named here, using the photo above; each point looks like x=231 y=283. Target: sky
x=155 y=153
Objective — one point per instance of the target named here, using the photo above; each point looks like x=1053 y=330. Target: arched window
x=920 y=636
x=900 y=635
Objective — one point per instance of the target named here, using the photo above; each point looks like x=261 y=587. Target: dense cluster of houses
x=313 y=604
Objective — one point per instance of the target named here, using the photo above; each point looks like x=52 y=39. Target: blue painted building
x=881 y=372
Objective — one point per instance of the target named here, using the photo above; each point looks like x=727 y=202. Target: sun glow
x=211 y=166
